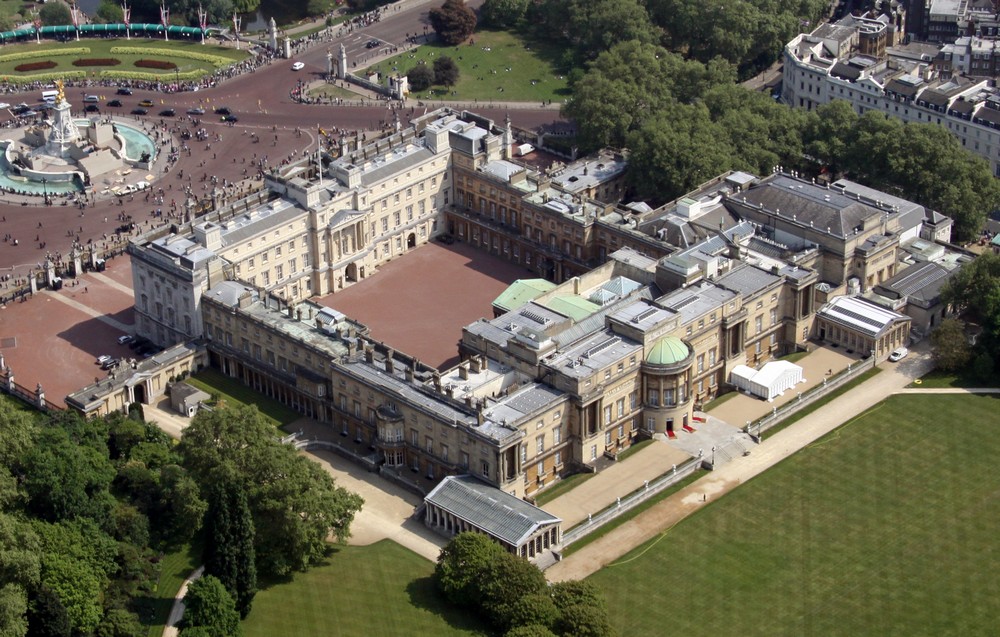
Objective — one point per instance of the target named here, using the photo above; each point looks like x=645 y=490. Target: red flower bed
x=156 y=64
x=35 y=66
x=97 y=62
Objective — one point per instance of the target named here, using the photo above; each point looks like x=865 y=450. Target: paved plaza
x=420 y=302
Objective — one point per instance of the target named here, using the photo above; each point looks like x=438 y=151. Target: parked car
x=103 y=358
x=108 y=364
x=195 y=111
x=140 y=111
x=146 y=103
x=115 y=103
x=124 y=91
x=298 y=66
x=124 y=339
x=898 y=354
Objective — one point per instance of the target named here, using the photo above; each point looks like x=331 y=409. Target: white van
x=50 y=96
x=91 y=99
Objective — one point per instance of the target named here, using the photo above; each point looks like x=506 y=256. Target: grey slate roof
x=747 y=280
x=495 y=512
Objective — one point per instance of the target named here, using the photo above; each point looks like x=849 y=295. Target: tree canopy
x=453 y=21
x=295 y=505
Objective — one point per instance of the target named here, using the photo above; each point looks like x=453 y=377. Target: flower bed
x=97 y=62
x=156 y=64
x=35 y=66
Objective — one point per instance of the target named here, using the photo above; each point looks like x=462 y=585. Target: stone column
x=39 y=396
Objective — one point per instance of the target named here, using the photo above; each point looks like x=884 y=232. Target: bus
x=50 y=96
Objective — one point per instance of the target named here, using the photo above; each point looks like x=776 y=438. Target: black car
x=124 y=91
x=230 y=118
x=91 y=108
x=168 y=112
x=115 y=103
x=371 y=44
x=140 y=111
x=223 y=110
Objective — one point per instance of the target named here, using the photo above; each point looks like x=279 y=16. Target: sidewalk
x=665 y=514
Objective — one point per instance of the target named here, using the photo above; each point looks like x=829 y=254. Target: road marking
x=88 y=311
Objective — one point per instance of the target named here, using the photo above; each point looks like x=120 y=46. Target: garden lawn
x=382 y=589
x=496 y=51
x=175 y=567
x=101 y=48
x=236 y=393
x=887 y=526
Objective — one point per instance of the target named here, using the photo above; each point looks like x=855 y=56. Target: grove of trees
x=88 y=507
x=475 y=572
x=975 y=292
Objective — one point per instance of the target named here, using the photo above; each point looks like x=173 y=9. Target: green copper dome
x=669 y=350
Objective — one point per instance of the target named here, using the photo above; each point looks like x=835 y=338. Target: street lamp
x=45 y=192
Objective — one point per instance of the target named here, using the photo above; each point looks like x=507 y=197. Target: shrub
x=35 y=66
x=155 y=64
x=113 y=74
x=97 y=62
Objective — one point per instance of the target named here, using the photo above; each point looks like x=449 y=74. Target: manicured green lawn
x=888 y=526
x=236 y=393
x=561 y=487
x=331 y=90
x=175 y=567
x=712 y=404
x=533 y=76
x=382 y=589
x=13 y=7
x=101 y=48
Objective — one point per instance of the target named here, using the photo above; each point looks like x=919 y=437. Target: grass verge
x=938 y=379
x=715 y=402
x=631 y=513
x=236 y=393
x=382 y=589
x=881 y=527
x=566 y=484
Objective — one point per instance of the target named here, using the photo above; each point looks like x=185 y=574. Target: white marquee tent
x=769 y=382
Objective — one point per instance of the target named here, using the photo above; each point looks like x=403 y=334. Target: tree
x=119 y=622
x=584 y=620
x=508 y=580
x=535 y=609
x=109 y=12
x=630 y=84
x=47 y=616
x=453 y=21
x=13 y=608
x=55 y=13
x=951 y=347
x=296 y=506
x=229 y=552
x=576 y=592
x=445 y=71
x=676 y=151
x=503 y=14
x=421 y=77
x=208 y=605
x=531 y=630
x=827 y=133
x=975 y=290
x=64 y=479
x=463 y=566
